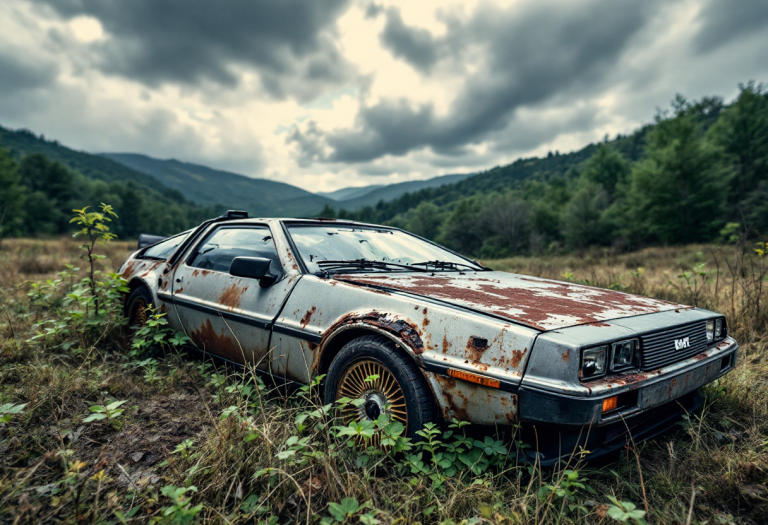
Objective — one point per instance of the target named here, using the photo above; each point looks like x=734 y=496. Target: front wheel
x=373 y=369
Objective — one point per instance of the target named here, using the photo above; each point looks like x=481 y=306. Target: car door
x=226 y=315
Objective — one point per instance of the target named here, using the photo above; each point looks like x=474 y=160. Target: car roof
x=318 y=220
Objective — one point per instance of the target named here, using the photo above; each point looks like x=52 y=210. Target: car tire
x=400 y=389
x=136 y=307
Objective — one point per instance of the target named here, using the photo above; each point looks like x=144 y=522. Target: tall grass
x=256 y=453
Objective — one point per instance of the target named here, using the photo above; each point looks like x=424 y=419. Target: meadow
x=95 y=428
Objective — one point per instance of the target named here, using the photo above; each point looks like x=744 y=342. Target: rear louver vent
x=672 y=345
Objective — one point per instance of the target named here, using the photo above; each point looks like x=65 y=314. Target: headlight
x=593 y=362
x=710 y=330
x=719 y=328
x=624 y=355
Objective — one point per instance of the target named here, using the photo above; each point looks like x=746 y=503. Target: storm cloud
x=289 y=44
x=722 y=22
x=530 y=54
x=332 y=93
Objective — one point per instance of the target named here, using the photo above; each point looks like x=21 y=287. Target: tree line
x=696 y=174
x=37 y=196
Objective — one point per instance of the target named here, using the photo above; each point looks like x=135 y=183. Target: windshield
x=354 y=243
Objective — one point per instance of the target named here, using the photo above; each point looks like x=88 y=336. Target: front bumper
x=649 y=403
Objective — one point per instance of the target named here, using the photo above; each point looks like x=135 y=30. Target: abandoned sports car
x=443 y=336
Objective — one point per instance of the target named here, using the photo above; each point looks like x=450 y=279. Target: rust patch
x=179 y=290
x=565 y=356
x=232 y=295
x=476 y=346
x=150 y=267
x=205 y=272
x=291 y=260
x=129 y=269
x=307 y=317
x=208 y=339
x=538 y=303
x=598 y=323
x=458 y=408
x=196 y=273
x=446 y=344
x=517 y=356
x=406 y=331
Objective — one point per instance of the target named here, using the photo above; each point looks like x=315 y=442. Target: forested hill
x=204 y=185
x=41 y=181
x=697 y=174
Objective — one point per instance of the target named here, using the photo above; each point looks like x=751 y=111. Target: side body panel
x=435 y=335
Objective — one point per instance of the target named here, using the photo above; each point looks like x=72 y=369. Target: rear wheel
x=137 y=307
x=373 y=369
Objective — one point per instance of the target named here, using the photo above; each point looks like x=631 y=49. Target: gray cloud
x=723 y=22
x=289 y=42
x=532 y=53
x=20 y=75
x=416 y=46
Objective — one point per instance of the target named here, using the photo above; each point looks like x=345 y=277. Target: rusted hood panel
x=538 y=303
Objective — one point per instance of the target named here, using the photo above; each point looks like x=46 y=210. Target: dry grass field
x=195 y=443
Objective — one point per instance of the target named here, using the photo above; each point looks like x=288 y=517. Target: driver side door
x=223 y=314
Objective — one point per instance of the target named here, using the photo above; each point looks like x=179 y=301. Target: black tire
x=380 y=350
x=136 y=305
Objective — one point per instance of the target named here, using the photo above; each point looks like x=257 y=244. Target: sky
x=325 y=94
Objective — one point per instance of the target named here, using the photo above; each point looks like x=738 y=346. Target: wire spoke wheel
x=139 y=313
x=369 y=380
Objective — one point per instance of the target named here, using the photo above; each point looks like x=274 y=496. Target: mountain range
x=207 y=186
x=262 y=197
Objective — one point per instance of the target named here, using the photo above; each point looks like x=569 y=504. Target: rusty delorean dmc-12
x=571 y=364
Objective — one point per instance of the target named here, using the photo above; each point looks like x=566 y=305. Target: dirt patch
x=153 y=430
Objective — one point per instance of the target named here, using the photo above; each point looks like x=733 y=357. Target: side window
x=224 y=244
x=164 y=249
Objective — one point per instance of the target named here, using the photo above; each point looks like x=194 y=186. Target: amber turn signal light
x=473 y=378
x=610 y=404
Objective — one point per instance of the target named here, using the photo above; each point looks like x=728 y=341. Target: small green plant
x=181 y=511
x=184 y=448
x=345 y=510
x=155 y=335
x=8 y=410
x=626 y=512
x=110 y=412
x=93 y=227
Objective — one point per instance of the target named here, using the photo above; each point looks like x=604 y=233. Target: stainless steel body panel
x=526 y=333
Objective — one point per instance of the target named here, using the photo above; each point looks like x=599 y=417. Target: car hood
x=538 y=303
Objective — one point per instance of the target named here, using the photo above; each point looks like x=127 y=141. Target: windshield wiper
x=445 y=265
x=365 y=264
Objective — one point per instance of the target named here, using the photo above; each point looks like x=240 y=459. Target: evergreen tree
x=742 y=132
x=606 y=168
x=582 y=218
x=12 y=195
x=677 y=191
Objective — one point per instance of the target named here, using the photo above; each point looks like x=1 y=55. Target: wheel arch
x=134 y=284
x=342 y=333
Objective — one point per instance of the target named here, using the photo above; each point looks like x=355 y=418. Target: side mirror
x=253 y=268
x=146 y=239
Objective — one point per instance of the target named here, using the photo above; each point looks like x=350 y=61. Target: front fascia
x=554 y=364
x=552 y=392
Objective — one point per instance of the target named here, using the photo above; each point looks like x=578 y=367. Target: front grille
x=658 y=348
